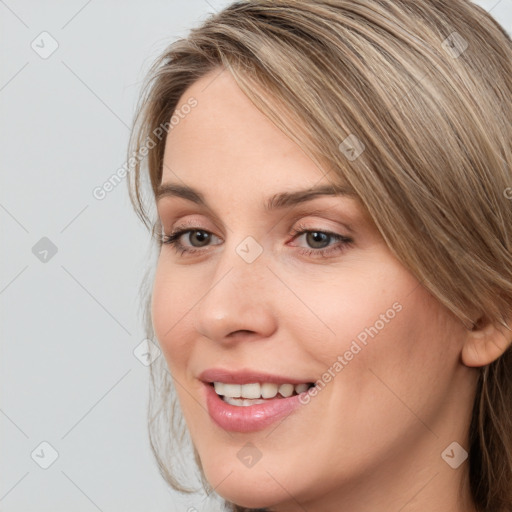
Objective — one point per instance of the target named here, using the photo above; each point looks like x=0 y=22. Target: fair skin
x=372 y=438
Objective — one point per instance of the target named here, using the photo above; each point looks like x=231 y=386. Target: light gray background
x=69 y=325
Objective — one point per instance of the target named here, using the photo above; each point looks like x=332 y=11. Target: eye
x=202 y=237
x=317 y=239
x=319 y=242
x=196 y=235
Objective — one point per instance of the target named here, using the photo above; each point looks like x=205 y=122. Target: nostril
x=241 y=331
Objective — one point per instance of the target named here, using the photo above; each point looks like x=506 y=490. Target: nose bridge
x=238 y=298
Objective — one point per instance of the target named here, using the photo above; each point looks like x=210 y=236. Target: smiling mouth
x=244 y=395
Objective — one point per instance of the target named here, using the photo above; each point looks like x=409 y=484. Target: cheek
x=399 y=356
x=352 y=305
x=169 y=306
x=382 y=332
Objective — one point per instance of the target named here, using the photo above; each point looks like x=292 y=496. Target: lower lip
x=250 y=418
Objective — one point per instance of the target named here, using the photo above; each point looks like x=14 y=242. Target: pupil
x=202 y=236
x=316 y=237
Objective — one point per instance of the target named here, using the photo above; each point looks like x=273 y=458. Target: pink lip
x=246 y=377
x=254 y=417
x=251 y=418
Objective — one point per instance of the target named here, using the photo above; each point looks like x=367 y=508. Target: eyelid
x=325 y=214
x=336 y=213
x=189 y=223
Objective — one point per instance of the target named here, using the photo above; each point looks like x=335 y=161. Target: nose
x=237 y=303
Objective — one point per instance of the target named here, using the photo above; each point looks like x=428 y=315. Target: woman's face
x=259 y=302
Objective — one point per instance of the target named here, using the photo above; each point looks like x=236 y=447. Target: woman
x=333 y=291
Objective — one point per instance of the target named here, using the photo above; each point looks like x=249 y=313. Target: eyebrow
x=275 y=202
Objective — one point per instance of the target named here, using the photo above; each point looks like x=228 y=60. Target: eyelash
x=344 y=242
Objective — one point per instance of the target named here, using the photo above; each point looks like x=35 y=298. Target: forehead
x=226 y=139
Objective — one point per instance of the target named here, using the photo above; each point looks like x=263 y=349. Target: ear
x=486 y=342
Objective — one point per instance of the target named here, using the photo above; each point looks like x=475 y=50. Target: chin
x=248 y=488
x=248 y=498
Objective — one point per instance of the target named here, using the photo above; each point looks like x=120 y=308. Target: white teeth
x=269 y=390
x=241 y=402
x=233 y=390
x=219 y=388
x=300 y=388
x=286 y=390
x=250 y=390
x=255 y=390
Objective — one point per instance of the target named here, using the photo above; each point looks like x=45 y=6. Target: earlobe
x=485 y=343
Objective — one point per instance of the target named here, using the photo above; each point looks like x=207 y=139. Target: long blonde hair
x=424 y=89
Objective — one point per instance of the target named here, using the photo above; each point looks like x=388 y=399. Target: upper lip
x=246 y=377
